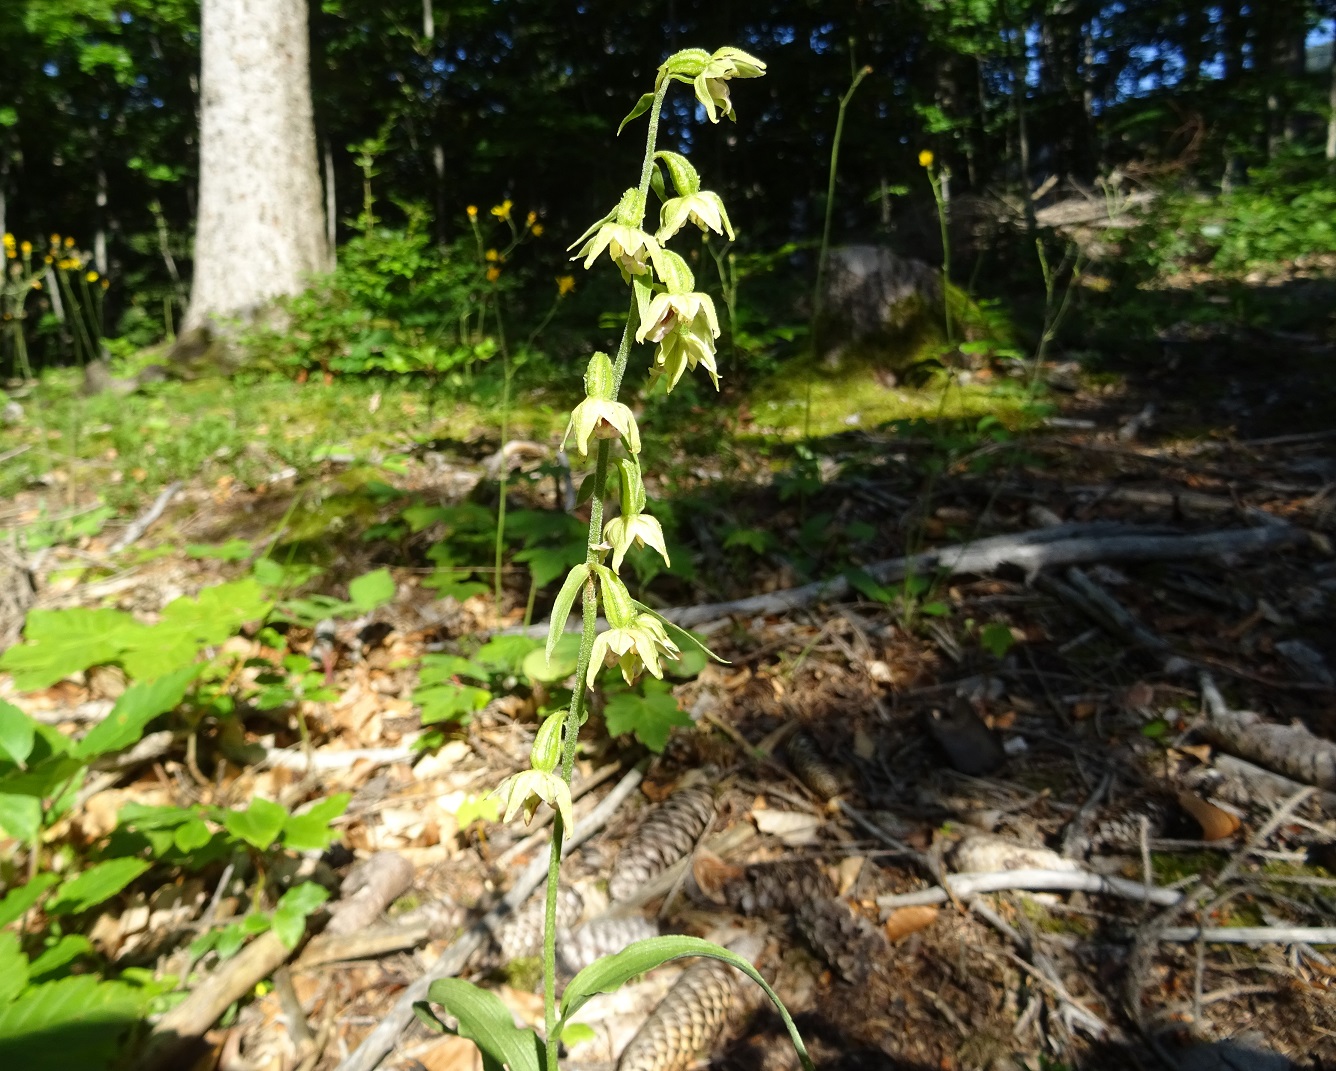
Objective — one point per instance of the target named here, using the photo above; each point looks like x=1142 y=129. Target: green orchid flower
x=619 y=233
x=711 y=83
x=704 y=208
x=598 y=416
x=638 y=528
x=668 y=312
x=642 y=645
x=530 y=788
x=681 y=350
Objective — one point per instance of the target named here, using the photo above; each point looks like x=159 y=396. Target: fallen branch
x=378 y=1044
x=1252 y=935
x=187 y=1022
x=1289 y=749
x=322 y=760
x=1060 y=545
x=141 y=524
x=963 y=885
x=371 y=943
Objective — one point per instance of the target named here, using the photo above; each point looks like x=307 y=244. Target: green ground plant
x=54 y=978
x=667 y=311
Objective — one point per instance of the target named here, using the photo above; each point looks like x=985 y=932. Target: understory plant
x=667 y=312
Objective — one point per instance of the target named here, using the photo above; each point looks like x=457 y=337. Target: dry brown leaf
x=847 y=872
x=711 y=874
x=1138 y=695
x=451 y=1054
x=907 y=920
x=1216 y=824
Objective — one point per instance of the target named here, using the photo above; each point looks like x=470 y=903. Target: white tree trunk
x=260 y=232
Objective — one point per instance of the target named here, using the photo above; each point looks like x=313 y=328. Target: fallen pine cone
x=666 y=835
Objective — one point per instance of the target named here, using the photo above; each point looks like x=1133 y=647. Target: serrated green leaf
x=191 y=836
x=505 y=654
x=371 y=590
x=138 y=705
x=230 y=939
x=441 y=668
x=310 y=831
x=57 y=956
x=610 y=973
x=641 y=107
x=60 y=642
x=450 y=702
x=18 y=901
x=485 y=1021
x=478 y=809
x=13 y=968
x=996 y=639
x=89 y=1017
x=20 y=816
x=303 y=898
x=650 y=717
x=258 y=825
x=94 y=886
x=561 y=608
x=17 y=732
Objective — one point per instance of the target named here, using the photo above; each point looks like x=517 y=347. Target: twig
x=378 y=1044
x=1250 y=935
x=963 y=885
x=142 y=522
x=323 y=760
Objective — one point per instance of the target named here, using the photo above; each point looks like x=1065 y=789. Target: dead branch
x=378 y=1044
x=141 y=523
x=962 y=885
x=1289 y=749
x=369 y=943
x=1252 y=935
x=368 y=890
x=1031 y=551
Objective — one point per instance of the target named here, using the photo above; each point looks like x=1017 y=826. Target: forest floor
x=1072 y=707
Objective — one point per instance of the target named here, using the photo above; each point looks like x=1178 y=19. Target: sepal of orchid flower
x=602 y=419
x=546 y=750
x=685 y=64
x=530 y=788
x=641 y=645
x=634 y=528
x=631 y=249
x=705 y=209
x=683 y=349
x=686 y=179
x=676 y=312
x=674 y=273
x=741 y=64
x=632 y=485
x=618 y=606
x=600 y=379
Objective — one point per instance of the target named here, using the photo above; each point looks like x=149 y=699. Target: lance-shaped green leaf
x=561 y=609
x=610 y=973
x=485 y=1021
x=642 y=106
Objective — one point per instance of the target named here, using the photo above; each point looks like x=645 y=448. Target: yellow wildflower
x=10 y=253
x=105 y=282
x=472 y=210
x=537 y=230
x=37 y=284
x=531 y=219
x=91 y=277
x=25 y=248
x=502 y=211
x=55 y=240
x=493 y=274
x=69 y=242
x=491 y=256
x=48 y=259
x=565 y=284
x=9 y=241
x=925 y=158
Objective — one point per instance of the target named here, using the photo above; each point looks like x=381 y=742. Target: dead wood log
x=963 y=885
x=1031 y=551
x=1288 y=749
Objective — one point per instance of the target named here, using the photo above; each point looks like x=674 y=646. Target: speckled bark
x=260 y=232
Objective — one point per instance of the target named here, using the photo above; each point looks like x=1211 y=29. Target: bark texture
x=261 y=231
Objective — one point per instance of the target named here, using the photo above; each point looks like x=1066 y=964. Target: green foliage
x=649 y=711
x=1282 y=212
x=396 y=303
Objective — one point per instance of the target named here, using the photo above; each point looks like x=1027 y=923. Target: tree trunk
x=260 y=232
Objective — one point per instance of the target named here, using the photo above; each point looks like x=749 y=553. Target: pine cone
x=520 y=934
x=851 y=944
x=1117 y=827
x=811 y=766
x=686 y=1022
x=668 y=834
x=773 y=888
x=603 y=936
